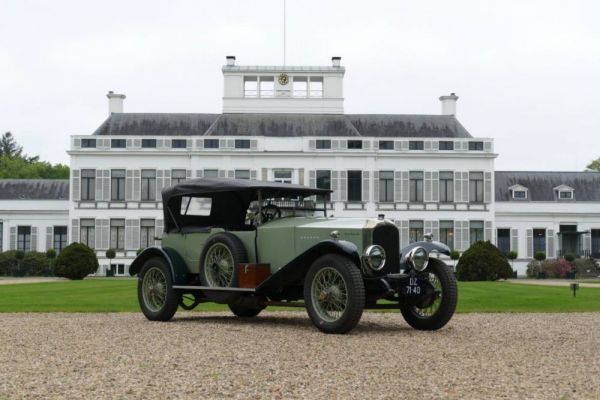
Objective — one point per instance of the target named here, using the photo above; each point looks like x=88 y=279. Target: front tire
x=334 y=294
x=156 y=296
x=436 y=314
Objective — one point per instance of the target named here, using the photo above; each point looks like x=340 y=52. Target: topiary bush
x=76 y=261
x=570 y=257
x=483 y=262
x=539 y=255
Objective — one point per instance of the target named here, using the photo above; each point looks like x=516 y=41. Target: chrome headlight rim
x=411 y=255
x=368 y=254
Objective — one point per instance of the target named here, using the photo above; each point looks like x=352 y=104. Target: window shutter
x=427 y=145
x=76 y=143
x=222 y=173
x=188 y=174
x=404 y=191
x=49 y=238
x=230 y=143
x=487 y=192
x=312 y=179
x=335 y=186
x=75 y=231
x=231 y=173
x=105 y=233
x=457 y=187
x=488 y=231
x=137 y=143
x=487 y=146
x=335 y=145
x=34 y=238
x=427 y=189
x=98 y=233
x=365 y=186
x=514 y=240
x=13 y=238
x=76 y=188
x=404 y=145
x=466 y=235
x=199 y=173
x=397 y=145
x=465 y=187
x=128 y=234
x=529 y=243
x=166 y=179
x=159 y=182
x=403 y=228
x=435 y=186
x=253 y=144
x=135 y=236
x=427 y=227
x=106 y=184
x=550 y=243
x=366 y=144
x=188 y=144
x=99 y=185
x=397 y=186
x=158 y=231
x=435 y=229
x=312 y=144
x=252 y=174
x=129 y=185
x=343 y=176
x=137 y=182
x=200 y=143
x=458 y=245
x=435 y=145
x=129 y=143
x=376 y=186
x=222 y=143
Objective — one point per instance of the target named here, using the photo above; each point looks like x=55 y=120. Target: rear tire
x=334 y=294
x=419 y=318
x=156 y=296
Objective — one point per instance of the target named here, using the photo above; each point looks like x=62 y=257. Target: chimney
x=449 y=104
x=230 y=61
x=115 y=102
x=335 y=61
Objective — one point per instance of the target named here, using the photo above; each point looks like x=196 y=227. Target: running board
x=215 y=289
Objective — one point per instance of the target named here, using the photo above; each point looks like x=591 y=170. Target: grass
x=114 y=295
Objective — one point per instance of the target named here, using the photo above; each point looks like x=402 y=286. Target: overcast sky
x=527 y=72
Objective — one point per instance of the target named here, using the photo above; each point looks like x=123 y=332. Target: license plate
x=414 y=287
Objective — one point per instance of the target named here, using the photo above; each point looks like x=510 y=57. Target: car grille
x=388 y=237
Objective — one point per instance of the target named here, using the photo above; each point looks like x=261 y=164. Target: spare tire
x=219 y=265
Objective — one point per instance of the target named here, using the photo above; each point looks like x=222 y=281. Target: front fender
x=173 y=259
x=432 y=246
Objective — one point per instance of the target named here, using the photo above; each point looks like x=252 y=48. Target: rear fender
x=174 y=260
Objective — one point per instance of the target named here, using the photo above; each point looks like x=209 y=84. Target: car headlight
x=418 y=258
x=374 y=257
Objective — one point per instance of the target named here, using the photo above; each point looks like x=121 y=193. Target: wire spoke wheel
x=219 y=266
x=329 y=294
x=432 y=308
x=154 y=289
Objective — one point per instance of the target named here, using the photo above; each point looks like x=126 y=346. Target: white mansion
x=425 y=172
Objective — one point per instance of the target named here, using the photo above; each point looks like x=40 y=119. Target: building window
x=354 y=185
x=211 y=143
x=519 y=194
x=211 y=173
x=88 y=143
x=118 y=143
x=250 y=86
x=476 y=146
x=446 y=145
x=355 y=144
x=415 y=231
x=300 y=86
x=539 y=240
x=323 y=144
x=323 y=182
x=117 y=234
x=565 y=195
x=87 y=234
x=1 y=235
x=242 y=143
x=416 y=186
x=476 y=231
x=386 y=145
x=446 y=186
x=178 y=144
x=146 y=233
x=415 y=145
x=503 y=240
x=386 y=186
x=24 y=238
x=88 y=184
x=242 y=174
x=148 y=185
x=282 y=176
x=595 y=242
x=148 y=143
x=447 y=233
x=178 y=176
x=117 y=185
x=60 y=238
x=476 y=187
x=267 y=86
x=316 y=86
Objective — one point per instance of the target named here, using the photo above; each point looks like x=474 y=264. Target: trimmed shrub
x=512 y=255
x=8 y=263
x=76 y=261
x=570 y=257
x=454 y=255
x=483 y=262
x=586 y=268
x=539 y=255
x=35 y=264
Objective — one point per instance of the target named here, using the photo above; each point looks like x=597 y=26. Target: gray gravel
x=281 y=355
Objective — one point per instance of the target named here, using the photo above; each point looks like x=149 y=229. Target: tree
x=594 y=165
x=9 y=147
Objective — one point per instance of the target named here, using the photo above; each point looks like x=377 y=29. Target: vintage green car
x=251 y=244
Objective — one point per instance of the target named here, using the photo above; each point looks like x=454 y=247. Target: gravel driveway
x=280 y=355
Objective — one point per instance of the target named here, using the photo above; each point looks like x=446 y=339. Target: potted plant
x=454 y=255
x=539 y=257
x=110 y=254
x=512 y=256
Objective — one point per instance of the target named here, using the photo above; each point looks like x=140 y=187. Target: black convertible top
x=230 y=199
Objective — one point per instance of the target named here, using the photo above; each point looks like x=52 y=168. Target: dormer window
x=519 y=192
x=565 y=195
x=564 y=192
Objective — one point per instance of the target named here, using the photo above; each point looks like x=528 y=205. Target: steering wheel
x=270 y=212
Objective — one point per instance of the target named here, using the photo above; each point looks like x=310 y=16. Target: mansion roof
x=541 y=186
x=34 y=189
x=282 y=125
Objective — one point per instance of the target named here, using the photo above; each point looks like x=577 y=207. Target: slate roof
x=541 y=185
x=283 y=125
x=34 y=189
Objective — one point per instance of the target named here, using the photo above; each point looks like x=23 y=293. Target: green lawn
x=110 y=295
